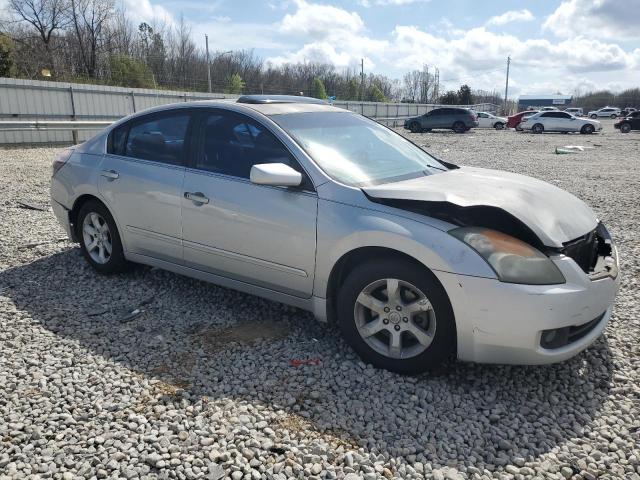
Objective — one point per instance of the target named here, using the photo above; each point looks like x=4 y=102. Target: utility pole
x=206 y=42
x=506 y=87
x=361 y=79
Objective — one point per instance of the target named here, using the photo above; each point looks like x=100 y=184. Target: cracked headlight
x=513 y=260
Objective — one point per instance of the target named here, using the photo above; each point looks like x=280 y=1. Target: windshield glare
x=355 y=150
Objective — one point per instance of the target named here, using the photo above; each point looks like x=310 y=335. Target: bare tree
x=89 y=19
x=46 y=17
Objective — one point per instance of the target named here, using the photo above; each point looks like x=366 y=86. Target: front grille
x=559 y=337
x=586 y=249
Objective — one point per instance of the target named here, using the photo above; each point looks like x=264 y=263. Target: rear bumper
x=62 y=214
x=503 y=323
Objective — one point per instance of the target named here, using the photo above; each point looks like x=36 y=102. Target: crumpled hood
x=554 y=215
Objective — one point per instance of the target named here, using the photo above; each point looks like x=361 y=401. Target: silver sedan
x=417 y=260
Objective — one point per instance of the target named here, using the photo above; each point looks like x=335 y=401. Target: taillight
x=60 y=160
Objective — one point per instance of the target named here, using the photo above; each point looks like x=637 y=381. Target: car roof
x=268 y=109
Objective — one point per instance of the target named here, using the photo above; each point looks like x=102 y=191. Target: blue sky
x=563 y=45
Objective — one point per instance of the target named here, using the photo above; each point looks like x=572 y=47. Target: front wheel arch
x=350 y=260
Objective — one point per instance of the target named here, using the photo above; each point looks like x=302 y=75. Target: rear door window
x=160 y=137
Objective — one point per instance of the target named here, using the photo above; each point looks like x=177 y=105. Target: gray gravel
x=200 y=385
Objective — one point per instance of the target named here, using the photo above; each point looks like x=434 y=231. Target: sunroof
x=264 y=99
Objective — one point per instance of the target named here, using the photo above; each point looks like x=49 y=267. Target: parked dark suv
x=457 y=119
x=630 y=122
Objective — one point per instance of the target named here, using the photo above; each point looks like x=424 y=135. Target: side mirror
x=275 y=174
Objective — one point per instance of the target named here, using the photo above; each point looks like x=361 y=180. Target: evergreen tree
x=7 y=65
x=375 y=94
x=317 y=89
x=129 y=72
x=449 y=98
x=464 y=95
x=235 y=85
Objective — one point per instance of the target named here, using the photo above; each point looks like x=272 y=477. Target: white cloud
x=318 y=21
x=604 y=18
x=369 y=3
x=145 y=11
x=511 y=16
x=330 y=35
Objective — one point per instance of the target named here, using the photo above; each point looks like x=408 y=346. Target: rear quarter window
x=117 y=140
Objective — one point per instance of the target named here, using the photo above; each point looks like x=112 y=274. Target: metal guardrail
x=22 y=125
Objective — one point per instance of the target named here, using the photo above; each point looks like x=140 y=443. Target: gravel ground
x=200 y=384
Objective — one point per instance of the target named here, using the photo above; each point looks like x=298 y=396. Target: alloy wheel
x=97 y=238
x=395 y=318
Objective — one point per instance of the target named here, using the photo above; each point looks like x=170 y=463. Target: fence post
x=133 y=101
x=74 y=133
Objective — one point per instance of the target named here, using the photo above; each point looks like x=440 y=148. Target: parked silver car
x=314 y=206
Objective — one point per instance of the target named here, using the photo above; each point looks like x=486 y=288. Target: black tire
x=594 y=116
x=537 y=128
x=415 y=127
x=116 y=262
x=625 y=128
x=518 y=128
x=443 y=344
x=498 y=126
x=587 y=129
x=459 y=127
x=613 y=115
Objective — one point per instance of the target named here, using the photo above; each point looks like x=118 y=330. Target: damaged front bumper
x=509 y=323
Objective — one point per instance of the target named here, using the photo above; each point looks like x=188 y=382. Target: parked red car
x=514 y=120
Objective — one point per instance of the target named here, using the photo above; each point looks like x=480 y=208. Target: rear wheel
x=587 y=129
x=396 y=316
x=537 y=128
x=625 y=127
x=415 y=127
x=459 y=127
x=99 y=239
x=498 y=126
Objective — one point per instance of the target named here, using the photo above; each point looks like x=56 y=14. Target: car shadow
x=192 y=341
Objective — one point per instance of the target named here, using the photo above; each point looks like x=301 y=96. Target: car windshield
x=355 y=150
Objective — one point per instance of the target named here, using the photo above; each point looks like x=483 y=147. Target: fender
x=344 y=228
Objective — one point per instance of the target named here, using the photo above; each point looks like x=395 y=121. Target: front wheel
x=459 y=127
x=415 y=127
x=537 y=128
x=99 y=239
x=587 y=130
x=613 y=115
x=625 y=128
x=499 y=126
x=396 y=316
x=594 y=116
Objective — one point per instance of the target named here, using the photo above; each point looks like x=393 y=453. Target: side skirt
x=315 y=305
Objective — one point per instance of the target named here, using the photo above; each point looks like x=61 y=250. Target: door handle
x=196 y=197
x=112 y=174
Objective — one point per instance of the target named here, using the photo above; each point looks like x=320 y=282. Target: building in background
x=526 y=102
